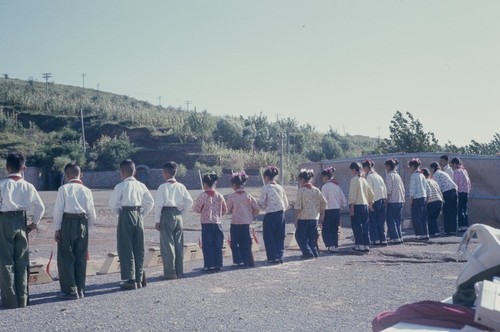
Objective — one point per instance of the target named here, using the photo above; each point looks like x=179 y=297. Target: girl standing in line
x=395 y=201
x=211 y=206
x=335 y=201
x=377 y=212
x=274 y=201
x=434 y=204
x=449 y=191
x=360 y=199
x=310 y=205
x=243 y=208
x=419 y=192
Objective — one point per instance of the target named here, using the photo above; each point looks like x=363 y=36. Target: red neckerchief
x=272 y=182
x=15 y=177
x=171 y=180
x=210 y=192
x=240 y=191
x=76 y=181
x=307 y=185
x=333 y=181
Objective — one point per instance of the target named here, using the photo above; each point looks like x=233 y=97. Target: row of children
x=74 y=214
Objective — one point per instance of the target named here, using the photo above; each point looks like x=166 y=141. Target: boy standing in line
x=172 y=199
x=16 y=197
x=130 y=200
x=74 y=213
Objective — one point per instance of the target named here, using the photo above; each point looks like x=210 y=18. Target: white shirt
x=20 y=195
x=448 y=170
x=75 y=198
x=173 y=194
x=335 y=198
x=377 y=184
x=131 y=192
x=273 y=198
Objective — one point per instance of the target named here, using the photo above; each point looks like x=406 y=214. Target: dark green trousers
x=172 y=242
x=72 y=253
x=14 y=260
x=130 y=241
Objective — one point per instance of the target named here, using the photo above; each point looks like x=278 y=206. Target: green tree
x=201 y=125
x=408 y=135
x=109 y=152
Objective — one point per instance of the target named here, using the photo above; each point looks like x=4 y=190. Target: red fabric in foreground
x=430 y=313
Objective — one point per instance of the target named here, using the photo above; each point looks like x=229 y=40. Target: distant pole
x=83 y=80
x=47 y=76
x=187 y=105
x=282 y=141
x=83 y=132
x=159 y=101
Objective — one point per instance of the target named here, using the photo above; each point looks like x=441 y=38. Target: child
x=73 y=214
x=211 y=206
x=16 y=197
x=360 y=198
x=130 y=200
x=243 y=207
x=434 y=204
x=461 y=178
x=377 y=211
x=309 y=205
x=274 y=201
x=395 y=200
x=335 y=201
x=449 y=191
x=172 y=199
x=419 y=192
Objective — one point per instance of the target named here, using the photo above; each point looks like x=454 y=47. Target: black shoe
x=81 y=294
x=69 y=296
x=128 y=285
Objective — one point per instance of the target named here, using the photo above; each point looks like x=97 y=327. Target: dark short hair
x=355 y=166
x=127 y=166
x=455 y=161
x=15 y=161
x=210 y=178
x=444 y=157
x=72 y=169
x=435 y=166
x=170 y=167
x=425 y=172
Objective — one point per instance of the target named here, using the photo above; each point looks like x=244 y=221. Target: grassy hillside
x=45 y=124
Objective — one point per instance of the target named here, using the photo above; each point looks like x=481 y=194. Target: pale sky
x=346 y=64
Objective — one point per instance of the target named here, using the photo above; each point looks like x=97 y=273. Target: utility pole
x=159 y=101
x=83 y=80
x=187 y=105
x=83 y=132
x=282 y=137
x=47 y=76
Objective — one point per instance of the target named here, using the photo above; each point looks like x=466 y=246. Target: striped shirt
x=435 y=193
x=395 y=187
